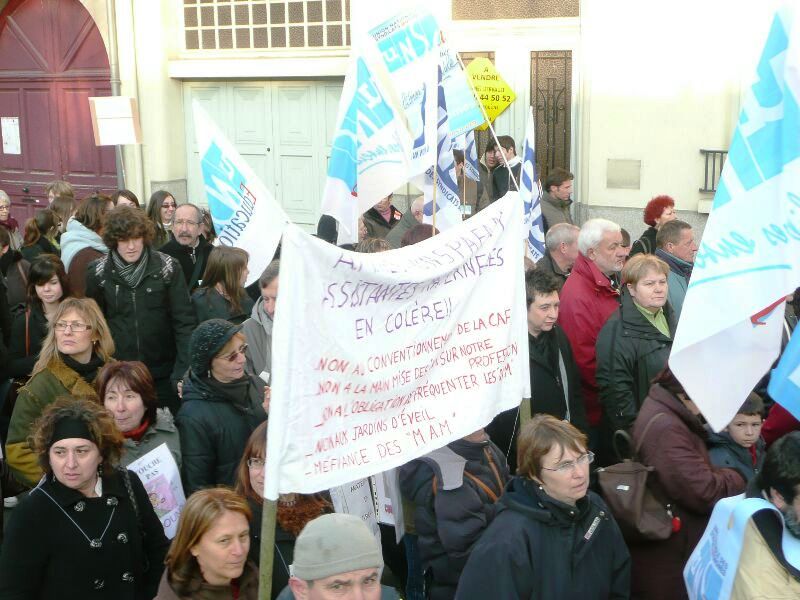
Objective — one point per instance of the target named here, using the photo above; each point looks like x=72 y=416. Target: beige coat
x=760 y=575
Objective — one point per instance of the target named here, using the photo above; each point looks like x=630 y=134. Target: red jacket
x=587 y=300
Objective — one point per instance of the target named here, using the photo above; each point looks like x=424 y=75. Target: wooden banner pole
x=268 y=520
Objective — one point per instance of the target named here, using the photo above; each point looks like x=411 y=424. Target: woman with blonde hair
x=88 y=529
x=77 y=344
x=222 y=294
x=208 y=557
x=295 y=511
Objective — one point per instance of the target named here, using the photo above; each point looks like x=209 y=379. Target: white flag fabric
x=531 y=194
x=384 y=357
x=448 y=203
x=730 y=326
x=244 y=212
x=466 y=143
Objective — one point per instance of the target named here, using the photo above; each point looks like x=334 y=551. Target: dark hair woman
x=673 y=442
x=222 y=404
x=81 y=242
x=40 y=234
x=88 y=529
x=77 y=344
x=127 y=390
x=294 y=510
x=208 y=557
x=222 y=294
x=552 y=537
x=47 y=287
x=125 y=198
x=161 y=211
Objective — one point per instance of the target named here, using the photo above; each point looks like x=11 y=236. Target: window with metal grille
x=266 y=24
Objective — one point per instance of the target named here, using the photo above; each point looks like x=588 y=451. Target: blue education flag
x=466 y=143
x=531 y=194
x=730 y=327
x=448 y=204
x=784 y=384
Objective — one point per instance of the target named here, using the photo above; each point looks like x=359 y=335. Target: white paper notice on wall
x=356 y=498
x=9 y=130
x=115 y=120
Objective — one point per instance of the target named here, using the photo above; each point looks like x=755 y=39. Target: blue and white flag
x=531 y=194
x=245 y=214
x=466 y=143
x=730 y=327
x=448 y=204
x=784 y=384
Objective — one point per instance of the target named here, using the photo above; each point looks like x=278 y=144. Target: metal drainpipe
x=113 y=60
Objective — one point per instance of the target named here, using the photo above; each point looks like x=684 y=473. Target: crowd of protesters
x=124 y=327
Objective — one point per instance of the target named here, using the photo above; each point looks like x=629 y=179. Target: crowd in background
x=124 y=327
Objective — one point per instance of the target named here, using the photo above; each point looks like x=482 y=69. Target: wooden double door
x=52 y=59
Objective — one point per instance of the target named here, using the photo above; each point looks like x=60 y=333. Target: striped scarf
x=132 y=273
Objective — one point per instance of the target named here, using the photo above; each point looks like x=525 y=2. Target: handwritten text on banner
x=385 y=357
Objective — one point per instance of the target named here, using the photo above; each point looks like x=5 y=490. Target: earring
x=100 y=469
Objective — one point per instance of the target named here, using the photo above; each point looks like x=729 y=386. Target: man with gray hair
x=336 y=557
x=188 y=247
x=561 y=242
x=675 y=245
x=588 y=298
x=410 y=219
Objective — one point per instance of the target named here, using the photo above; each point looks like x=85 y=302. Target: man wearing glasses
x=188 y=247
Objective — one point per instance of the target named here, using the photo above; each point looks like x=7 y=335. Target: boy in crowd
x=740 y=446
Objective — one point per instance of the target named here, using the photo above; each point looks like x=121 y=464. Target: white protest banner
x=245 y=213
x=384 y=357
x=161 y=478
x=710 y=571
x=356 y=498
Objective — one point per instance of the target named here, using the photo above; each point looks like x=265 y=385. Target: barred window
x=266 y=24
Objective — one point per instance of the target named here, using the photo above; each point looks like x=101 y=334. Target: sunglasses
x=232 y=356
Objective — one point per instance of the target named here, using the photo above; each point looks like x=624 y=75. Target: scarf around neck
x=10 y=224
x=131 y=273
x=88 y=371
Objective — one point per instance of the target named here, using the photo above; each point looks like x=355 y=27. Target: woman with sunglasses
x=77 y=344
x=161 y=211
x=222 y=404
x=552 y=537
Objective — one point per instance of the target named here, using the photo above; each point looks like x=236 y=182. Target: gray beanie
x=333 y=544
x=207 y=340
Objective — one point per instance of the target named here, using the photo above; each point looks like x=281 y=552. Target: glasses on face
x=182 y=222
x=232 y=356
x=76 y=326
x=255 y=463
x=568 y=466
x=5 y=207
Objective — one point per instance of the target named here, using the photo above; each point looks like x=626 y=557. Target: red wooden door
x=52 y=58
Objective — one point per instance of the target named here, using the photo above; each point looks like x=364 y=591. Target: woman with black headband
x=88 y=529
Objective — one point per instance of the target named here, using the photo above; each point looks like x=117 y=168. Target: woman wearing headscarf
x=77 y=344
x=88 y=529
x=222 y=404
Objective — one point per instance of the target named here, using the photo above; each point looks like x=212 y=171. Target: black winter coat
x=645 y=244
x=20 y=361
x=45 y=556
x=630 y=352
x=547 y=391
x=214 y=430
x=208 y=304
x=193 y=260
x=724 y=452
x=451 y=520
x=151 y=323
x=539 y=548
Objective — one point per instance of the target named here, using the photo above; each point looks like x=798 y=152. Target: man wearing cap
x=222 y=405
x=337 y=557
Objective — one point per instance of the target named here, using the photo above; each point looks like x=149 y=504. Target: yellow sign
x=492 y=90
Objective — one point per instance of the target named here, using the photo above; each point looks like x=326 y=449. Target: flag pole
x=435 y=169
x=267 y=559
x=486 y=116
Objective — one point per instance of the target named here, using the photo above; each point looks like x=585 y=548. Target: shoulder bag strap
x=22 y=273
x=644 y=433
x=27 y=330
